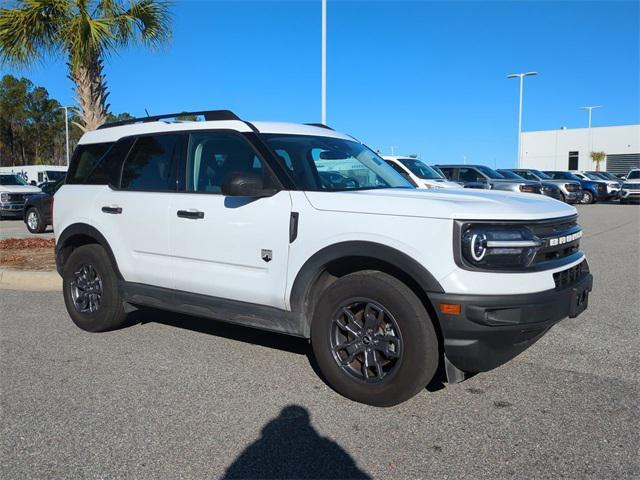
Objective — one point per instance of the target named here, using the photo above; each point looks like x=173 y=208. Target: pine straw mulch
x=28 y=254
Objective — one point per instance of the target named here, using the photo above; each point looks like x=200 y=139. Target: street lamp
x=324 y=62
x=590 y=108
x=66 y=127
x=521 y=77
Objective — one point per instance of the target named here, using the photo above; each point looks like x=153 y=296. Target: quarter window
x=85 y=158
x=213 y=156
x=152 y=164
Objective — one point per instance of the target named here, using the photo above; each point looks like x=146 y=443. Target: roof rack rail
x=321 y=125
x=208 y=115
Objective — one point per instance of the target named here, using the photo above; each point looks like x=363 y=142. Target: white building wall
x=549 y=149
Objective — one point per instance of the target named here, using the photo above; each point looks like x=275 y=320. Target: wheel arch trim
x=316 y=264
x=83 y=230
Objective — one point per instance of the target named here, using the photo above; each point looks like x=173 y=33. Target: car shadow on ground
x=254 y=336
x=222 y=329
x=289 y=447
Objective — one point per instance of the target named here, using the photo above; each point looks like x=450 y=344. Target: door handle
x=113 y=210
x=193 y=214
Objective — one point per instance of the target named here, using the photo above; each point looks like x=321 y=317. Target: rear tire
x=90 y=288
x=399 y=342
x=34 y=221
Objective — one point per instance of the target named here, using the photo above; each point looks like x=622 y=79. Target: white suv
x=419 y=173
x=303 y=230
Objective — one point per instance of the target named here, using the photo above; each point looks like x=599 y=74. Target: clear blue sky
x=428 y=77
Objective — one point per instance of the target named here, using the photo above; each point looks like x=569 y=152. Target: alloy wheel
x=365 y=340
x=86 y=289
x=32 y=220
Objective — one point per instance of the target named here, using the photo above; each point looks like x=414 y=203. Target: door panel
x=221 y=253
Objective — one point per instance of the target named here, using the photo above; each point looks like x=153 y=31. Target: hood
x=19 y=189
x=450 y=203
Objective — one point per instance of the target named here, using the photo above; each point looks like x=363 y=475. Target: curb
x=30 y=280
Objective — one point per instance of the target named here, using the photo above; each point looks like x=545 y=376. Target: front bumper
x=572 y=197
x=630 y=195
x=11 y=209
x=492 y=329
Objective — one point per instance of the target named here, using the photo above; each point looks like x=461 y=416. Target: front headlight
x=4 y=197
x=496 y=247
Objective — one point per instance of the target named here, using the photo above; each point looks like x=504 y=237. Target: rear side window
x=107 y=172
x=448 y=172
x=85 y=158
x=152 y=164
x=469 y=175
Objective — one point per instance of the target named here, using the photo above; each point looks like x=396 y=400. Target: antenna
x=147 y=112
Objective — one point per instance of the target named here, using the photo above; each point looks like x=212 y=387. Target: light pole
x=66 y=127
x=521 y=77
x=393 y=150
x=324 y=62
x=590 y=108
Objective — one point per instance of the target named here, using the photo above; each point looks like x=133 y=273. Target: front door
x=228 y=247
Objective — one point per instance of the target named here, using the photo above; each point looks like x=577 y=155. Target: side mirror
x=245 y=184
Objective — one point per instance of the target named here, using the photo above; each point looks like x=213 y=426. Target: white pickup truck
x=14 y=191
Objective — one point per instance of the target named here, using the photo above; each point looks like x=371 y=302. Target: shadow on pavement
x=222 y=329
x=289 y=447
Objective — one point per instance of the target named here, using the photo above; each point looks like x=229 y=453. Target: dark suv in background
x=571 y=190
x=37 y=213
x=592 y=190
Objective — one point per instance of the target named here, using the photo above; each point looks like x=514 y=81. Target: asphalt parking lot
x=15 y=228
x=177 y=397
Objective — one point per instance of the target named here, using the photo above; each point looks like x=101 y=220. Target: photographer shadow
x=289 y=447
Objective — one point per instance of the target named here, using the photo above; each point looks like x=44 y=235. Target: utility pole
x=66 y=127
x=324 y=62
x=589 y=108
x=393 y=149
x=521 y=77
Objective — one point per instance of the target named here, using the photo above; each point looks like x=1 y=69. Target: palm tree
x=598 y=157
x=84 y=32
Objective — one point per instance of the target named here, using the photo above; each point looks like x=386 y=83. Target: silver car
x=571 y=190
x=479 y=176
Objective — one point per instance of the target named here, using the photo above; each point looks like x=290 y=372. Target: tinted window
x=469 y=175
x=152 y=164
x=11 y=180
x=525 y=174
x=396 y=167
x=541 y=175
x=490 y=172
x=107 y=172
x=512 y=175
x=85 y=158
x=635 y=174
x=420 y=170
x=447 y=172
x=55 y=175
x=213 y=156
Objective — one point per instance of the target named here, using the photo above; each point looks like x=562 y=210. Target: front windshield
x=566 y=176
x=541 y=175
x=633 y=175
x=592 y=176
x=510 y=174
x=333 y=164
x=607 y=176
x=490 y=172
x=12 y=180
x=420 y=169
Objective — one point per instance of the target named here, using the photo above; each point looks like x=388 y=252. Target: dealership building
x=569 y=149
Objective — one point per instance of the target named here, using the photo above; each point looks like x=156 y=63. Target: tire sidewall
x=38 y=228
x=419 y=359
x=110 y=314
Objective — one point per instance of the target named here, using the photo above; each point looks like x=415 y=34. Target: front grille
x=560 y=238
x=631 y=186
x=602 y=188
x=572 y=187
x=571 y=275
x=17 y=197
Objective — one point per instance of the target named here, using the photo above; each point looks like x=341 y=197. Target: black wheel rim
x=86 y=289
x=365 y=340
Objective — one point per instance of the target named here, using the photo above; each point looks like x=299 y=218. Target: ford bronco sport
x=303 y=230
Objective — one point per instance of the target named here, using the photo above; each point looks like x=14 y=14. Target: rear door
x=229 y=247
x=135 y=214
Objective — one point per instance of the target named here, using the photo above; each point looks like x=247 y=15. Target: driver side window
x=214 y=155
x=469 y=175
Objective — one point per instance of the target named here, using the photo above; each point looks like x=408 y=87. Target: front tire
x=34 y=221
x=90 y=288
x=373 y=340
x=587 y=197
